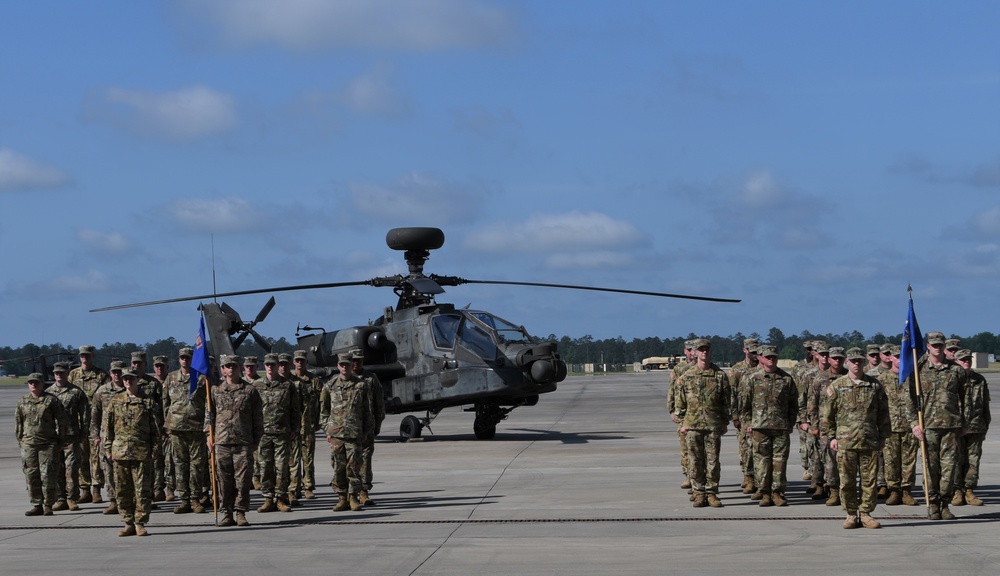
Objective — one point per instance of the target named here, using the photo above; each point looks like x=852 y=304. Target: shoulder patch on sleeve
x=829 y=391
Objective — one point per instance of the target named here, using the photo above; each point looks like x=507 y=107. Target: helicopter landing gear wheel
x=410 y=427
x=484 y=428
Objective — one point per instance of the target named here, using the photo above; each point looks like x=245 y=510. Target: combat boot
x=757 y=495
x=342 y=504
x=112 y=508
x=365 y=500
x=868 y=522
x=714 y=501
x=751 y=486
x=36 y=510
x=851 y=521
x=699 y=501
x=170 y=494
x=227 y=520
x=743 y=484
x=834 y=499
x=72 y=505
x=140 y=530
x=958 y=499
x=765 y=501
x=196 y=507
x=282 y=505
x=895 y=498
x=241 y=518
x=205 y=500
x=47 y=511
x=268 y=506
x=356 y=504
x=778 y=499
x=256 y=483
x=96 y=492
x=128 y=530
x=908 y=499
x=806 y=475
x=970 y=498
x=934 y=511
x=85 y=497
x=293 y=499
x=946 y=513
x=819 y=493
x=60 y=505
x=159 y=496
x=883 y=493
x=183 y=508
x=686 y=484
x=309 y=495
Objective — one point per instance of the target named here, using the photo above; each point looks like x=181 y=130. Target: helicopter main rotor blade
x=239 y=293
x=594 y=289
x=239 y=340
x=264 y=311
x=261 y=341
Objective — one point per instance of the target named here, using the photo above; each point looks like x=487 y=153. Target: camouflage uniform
x=738 y=376
x=770 y=408
x=856 y=413
x=40 y=429
x=704 y=406
x=238 y=428
x=303 y=458
x=977 y=422
x=74 y=403
x=900 y=451
x=348 y=420
x=672 y=394
x=377 y=401
x=184 y=420
x=825 y=469
x=91 y=472
x=282 y=420
x=943 y=396
x=153 y=389
x=102 y=399
x=131 y=432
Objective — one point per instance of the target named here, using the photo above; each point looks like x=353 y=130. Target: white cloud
x=18 y=172
x=181 y=115
x=416 y=198
x=221 y=215
x=107 y=242
x=93 y=281
x=571 y=232
x=376 y=93
x=307 y=25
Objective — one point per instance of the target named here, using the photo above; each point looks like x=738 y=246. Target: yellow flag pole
x=211 y=454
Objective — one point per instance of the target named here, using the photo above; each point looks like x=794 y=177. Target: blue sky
x=811 y=159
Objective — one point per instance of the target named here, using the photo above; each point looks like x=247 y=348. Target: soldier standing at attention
x=185 y=424
x=250 y=368
x=282 y=413
x=900 y=450
x=348 y=421
x=951 y=345
x=856 y=419
x=738 y=375
x=294 y=447
x=165 y=460
x=376 y=399
x=238 y=418
x=102 y=399
x=826 y=458
x=703 y=405
x=89 y=378
x=873 y=369
x=977 y=422
x=943 y=386
x=74 y=403
x=131 y=431
x=672 y=394
x=304 y=477
x=40 y=428
x=810 y=382
x=153 y=390
x=807 y=449
x=769 y=414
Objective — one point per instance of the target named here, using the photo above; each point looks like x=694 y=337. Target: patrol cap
x=808 y=344
x=344 y=357
x=128 y=373
x=963 y=353
x=88 y=350
x=872 y=349
x=270 y=359
x=60 y=367
x=838 y=352
x=36 y=377
x=118 y=365
x=689 y=344
x=952 y=344
x=139 y=356
x=855 y=354
x=356 y=354
x=229 y=360
x=250 y=360
x=186 y=351
x=820 y=346
x=299 y=355
x=699 y=342
x=935 y=338
x=160 y=360
x=767 y=350
x=751 y=344
x=886 y=348
x=895 y=349
x=284 y=358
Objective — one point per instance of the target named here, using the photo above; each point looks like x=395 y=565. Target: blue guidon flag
x=199 y=360
x=912 y=340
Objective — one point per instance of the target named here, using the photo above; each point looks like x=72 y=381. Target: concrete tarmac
x=586 y=482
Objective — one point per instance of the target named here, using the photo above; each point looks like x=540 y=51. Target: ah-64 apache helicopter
x=429 y=356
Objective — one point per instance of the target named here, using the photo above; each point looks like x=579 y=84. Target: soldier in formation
x=89 y=378
x=977 y=423
x=282 y=420
x=40 y=427
x=672 y=395
x=74 y=403
x=102 y=399
x=348 y=421
x=304 y=467
x=738 y=376
x=161 y=370
x=184 y=422
x=900 y=450
x=377 y=401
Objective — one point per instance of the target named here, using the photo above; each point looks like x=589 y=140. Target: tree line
x=615 y=353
